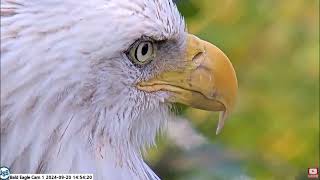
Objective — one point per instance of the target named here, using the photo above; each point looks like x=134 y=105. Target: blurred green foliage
x=274 y=47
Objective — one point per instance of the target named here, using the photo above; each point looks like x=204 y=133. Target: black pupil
x=145 y=49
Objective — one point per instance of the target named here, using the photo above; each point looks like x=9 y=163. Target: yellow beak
x=207 y=81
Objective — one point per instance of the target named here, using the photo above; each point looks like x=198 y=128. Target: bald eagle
x=86 y=85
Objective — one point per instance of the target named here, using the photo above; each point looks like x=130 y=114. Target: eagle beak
x=207 y=81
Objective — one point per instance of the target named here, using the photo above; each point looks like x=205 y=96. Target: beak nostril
x=197 y=58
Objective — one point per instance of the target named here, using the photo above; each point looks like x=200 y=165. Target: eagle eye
x=142 y=52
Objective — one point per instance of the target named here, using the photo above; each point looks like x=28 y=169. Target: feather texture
x=68 y=102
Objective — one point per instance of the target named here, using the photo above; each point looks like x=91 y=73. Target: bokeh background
x=274 y=131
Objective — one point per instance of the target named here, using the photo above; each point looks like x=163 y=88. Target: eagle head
x=90 y=83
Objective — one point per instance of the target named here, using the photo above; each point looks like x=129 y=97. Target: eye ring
x=141 y=52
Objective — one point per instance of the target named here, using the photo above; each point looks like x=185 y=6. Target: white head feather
x=68 y=101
